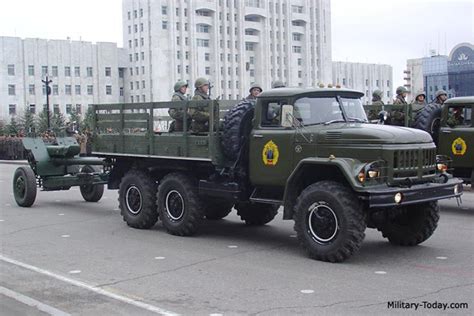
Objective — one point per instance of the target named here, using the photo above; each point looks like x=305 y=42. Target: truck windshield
x=354 y=110
x=312 y=111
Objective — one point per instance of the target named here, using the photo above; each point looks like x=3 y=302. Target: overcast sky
x=374 y=31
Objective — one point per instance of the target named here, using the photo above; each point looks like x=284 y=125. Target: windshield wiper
x=335 y=121
x=356 y=119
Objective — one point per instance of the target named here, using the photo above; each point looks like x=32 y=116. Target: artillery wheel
x=137 y=199
x=329 y=221
x=91 y=192
x=410 y=225
x=217 y=209
x=180 y=208
x=256 y=214
x=24 y=186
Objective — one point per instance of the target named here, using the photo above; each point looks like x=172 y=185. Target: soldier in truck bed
x=180 y=88
x=376 y=101
x=200 y=116
x=397 y=116
x=417 y=105
x=254 y=91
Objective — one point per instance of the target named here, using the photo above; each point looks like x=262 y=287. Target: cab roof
x=461 y=100
x=291 y=92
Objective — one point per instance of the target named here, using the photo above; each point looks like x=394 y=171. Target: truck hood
x=371 y=133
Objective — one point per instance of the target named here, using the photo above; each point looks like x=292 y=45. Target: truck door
x=271 y=146
x=456 y=138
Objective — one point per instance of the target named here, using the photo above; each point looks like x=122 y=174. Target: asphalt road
x=67 y=256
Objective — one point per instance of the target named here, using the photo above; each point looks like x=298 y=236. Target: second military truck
x=308 y=150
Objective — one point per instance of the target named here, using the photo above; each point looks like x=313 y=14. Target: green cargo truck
x=308 y=150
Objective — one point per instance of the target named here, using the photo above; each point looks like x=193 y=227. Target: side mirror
x=383 y=117
x=287 y=115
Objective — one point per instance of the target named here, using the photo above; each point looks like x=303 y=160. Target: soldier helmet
x=440 y=92
x=401 y=90
x=200 y=82
x=377 y=94
x=421 y=92
x=278 y=84
x=178 y=85
x=255 y=85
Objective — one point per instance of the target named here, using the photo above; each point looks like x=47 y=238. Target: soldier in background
x=200 y=116
x=377 y=103
x=278 y=84
x=456 y=118
x=417 y=105
x=397 y=117
x=440 y=97
x=254 y=91
x=180 y=88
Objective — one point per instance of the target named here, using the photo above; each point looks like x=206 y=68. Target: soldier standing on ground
x=398 y=115
x=200 y=116
x=376 y=101
x=177 y=114
x=254 y=91
x=278 y=84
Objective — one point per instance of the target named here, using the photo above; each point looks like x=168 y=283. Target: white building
x=82 y=73
x=364 y=77
x=413 y=77
x=234 y=43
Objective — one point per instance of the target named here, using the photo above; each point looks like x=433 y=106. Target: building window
x=67 y=89
x=297 y=49
x=143 y=70
x=121 y=91
x=252 y=72
x=208 y=70
x=89 y=71
x=207 y=56
x=135 y=28
x=31 y=89
x=129 y=15
x=108 y=71
x=55 y=89
x=121 y=72
x=142 y=41
x=297 y=23
x=142 y=55
x=54 y=70
x=164 y=25
x=11 y=70
x=78 y=109
x=44 y=70
x=108 y=90
x=129 y=29
x=68 y=108
x=299 y=73
x=56 y=108
x=143 y=98
x=249 y=46
x=202 y=28
x=141 y=27
x=202 y=42
x=77 y=71
x=297 y=37
x=11 y=89
x=253 y=3
x=67 y=71
x=297 y=9
x=33 y=108
x=251 y=60
x=186 y=55
x=164 y=11
x=90 y=89
x=388 y=94
x=137 y=85
x=143 y=84
x=130 y=57
x=77 y=89
x=131 y=85
x=31 y=70
x=187 y=69
x=136 y=56
x=44 y=89
x=300 y=61
x=388 y=83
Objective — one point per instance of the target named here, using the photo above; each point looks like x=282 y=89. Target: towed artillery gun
x=308 y=150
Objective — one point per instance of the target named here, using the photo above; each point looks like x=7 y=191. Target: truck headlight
x=442 y=167
x=398 y=197
x=373 y=173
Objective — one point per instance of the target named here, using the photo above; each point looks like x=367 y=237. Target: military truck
x=447 y=133
x=308 y=150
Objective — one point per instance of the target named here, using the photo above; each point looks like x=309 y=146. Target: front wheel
x=24 y=186
x=179 y=205
x=410 y=225
x=329 y=221
x=91 y=192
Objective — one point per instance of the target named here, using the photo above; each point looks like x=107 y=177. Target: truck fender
x=312 y=170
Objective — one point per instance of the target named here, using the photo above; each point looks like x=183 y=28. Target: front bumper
x=419 y=193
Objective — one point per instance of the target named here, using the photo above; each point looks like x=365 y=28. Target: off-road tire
x=91 y=192
x=237 y=126
x=411 y=225
x=137 y=199
x=180 y=208
x=342 y=232
x=24 y=186
x=217 y=209
x=256 y=214
x=429 y=119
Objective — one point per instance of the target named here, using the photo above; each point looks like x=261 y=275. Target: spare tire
x=237 y=126
x=429 y=119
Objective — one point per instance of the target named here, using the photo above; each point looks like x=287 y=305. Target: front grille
x=414 y=162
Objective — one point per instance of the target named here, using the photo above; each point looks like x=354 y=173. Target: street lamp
x=47 y=81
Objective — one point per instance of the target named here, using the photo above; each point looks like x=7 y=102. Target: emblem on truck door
x=459 y=147
x=270 y=154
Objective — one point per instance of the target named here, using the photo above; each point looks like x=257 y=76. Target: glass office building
x=461 y=70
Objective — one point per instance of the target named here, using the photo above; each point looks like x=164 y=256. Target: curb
x=14 y=162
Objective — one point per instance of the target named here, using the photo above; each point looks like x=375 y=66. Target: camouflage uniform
x=377 y=104
x=200 y=116
x=398 y=116
x=456 y=118
x=177 y=114
x=416 y=106
x=438 y=95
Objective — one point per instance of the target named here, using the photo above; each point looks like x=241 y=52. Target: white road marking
x=65 y=236
x=293 y=236
x=307 y=291
x=442 y=258
x=90 y=287
x=8 y=204
x=380 y=272
x=216 y=314
x=32 y=302
x=2 y=220
x=61 y=214
x=159 y=258
x=74 y=271
x=232 y=246
x=57 y=200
